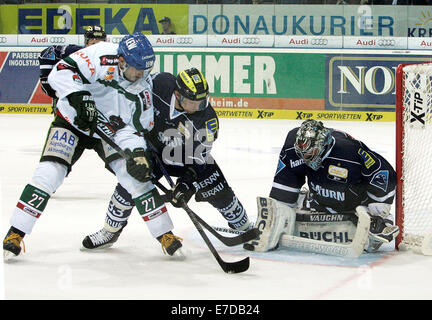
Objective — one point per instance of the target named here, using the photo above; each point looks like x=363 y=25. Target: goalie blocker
x=278 y=227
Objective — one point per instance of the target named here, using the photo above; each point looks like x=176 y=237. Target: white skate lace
x=100 y=237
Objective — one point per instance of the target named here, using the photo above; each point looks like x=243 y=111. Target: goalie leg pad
x=274 y=219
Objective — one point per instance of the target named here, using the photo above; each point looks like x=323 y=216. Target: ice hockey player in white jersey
x=95 y=85
x=182 y=114
x=341 y=173
x=53 y=54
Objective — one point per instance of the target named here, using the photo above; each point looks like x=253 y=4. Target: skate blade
x=8 y=256
x=178 y=255
x=100 y=248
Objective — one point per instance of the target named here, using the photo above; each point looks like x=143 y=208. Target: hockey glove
x=184 y=188
x=139 y=164
x=83 y=103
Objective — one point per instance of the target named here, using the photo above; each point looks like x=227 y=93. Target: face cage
x=311 y=156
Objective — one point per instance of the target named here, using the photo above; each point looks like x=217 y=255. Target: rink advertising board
x=247 y=83
x=356 y=82
x=296 y=20
x=72 y=18
x=312 y=20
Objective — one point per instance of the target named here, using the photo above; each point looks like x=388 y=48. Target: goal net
x=414 y=156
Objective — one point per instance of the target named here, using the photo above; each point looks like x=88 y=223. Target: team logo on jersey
x=110 y=74
x=381 y=180
x=336 y=173
x=211 y=129
x=367 y=158
x=280 y=166
x=77 y=79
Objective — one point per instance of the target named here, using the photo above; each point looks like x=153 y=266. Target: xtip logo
x=373 y=117
x=303 y=115
x=264 y=114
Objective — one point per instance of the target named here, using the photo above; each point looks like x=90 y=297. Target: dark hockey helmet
x=192 y=85
x=94 y=32
x=312 y=142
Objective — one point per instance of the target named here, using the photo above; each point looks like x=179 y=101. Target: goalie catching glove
x=184 y=188
x=83 y=103
x=139 y=164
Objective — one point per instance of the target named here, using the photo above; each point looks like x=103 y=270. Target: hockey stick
x=228 y=241
x=242 y=236
x=228 y=267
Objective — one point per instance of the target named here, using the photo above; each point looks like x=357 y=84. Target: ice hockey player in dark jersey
x=53 y=54
x=341 y=173
x=185 y=127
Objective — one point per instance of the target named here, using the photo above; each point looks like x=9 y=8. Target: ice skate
x=102 y=239
x=171 y=244
x=12 y=245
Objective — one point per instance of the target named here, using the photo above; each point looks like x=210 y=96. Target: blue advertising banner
x=363 y=82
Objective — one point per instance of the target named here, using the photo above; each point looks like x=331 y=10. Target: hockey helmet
x=192 y=85
x=94 y=32
x=312 y=142
x=137 y=51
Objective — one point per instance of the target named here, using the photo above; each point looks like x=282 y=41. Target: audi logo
x=57 y=40
x=184 y=40
x=386 y=42
x=250 y=40
x=319 y=42
x=3 y=40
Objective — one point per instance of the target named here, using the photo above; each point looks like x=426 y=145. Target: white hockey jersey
x=95 y=69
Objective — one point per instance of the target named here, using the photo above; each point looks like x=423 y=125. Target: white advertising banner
x=49 y=39
x=235 y=41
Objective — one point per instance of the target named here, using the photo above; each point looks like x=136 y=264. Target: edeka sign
x=249 y=80
x=363 y=82
x=71 y=19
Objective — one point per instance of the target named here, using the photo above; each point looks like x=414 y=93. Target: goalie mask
x=312 y=142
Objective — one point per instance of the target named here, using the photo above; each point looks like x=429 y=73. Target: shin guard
x=152 y=209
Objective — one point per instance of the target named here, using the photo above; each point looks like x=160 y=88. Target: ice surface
x=53 y=267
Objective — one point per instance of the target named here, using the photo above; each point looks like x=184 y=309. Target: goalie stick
x=228 y=267
x=350 y=250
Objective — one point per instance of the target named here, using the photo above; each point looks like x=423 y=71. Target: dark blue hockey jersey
x=351 y=174
x=182 y=139
x=48 y=58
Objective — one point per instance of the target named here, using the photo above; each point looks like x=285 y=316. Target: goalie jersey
x=350 y=175
x=183 y=139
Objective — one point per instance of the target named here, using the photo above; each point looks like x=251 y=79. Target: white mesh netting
x=417 y=150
